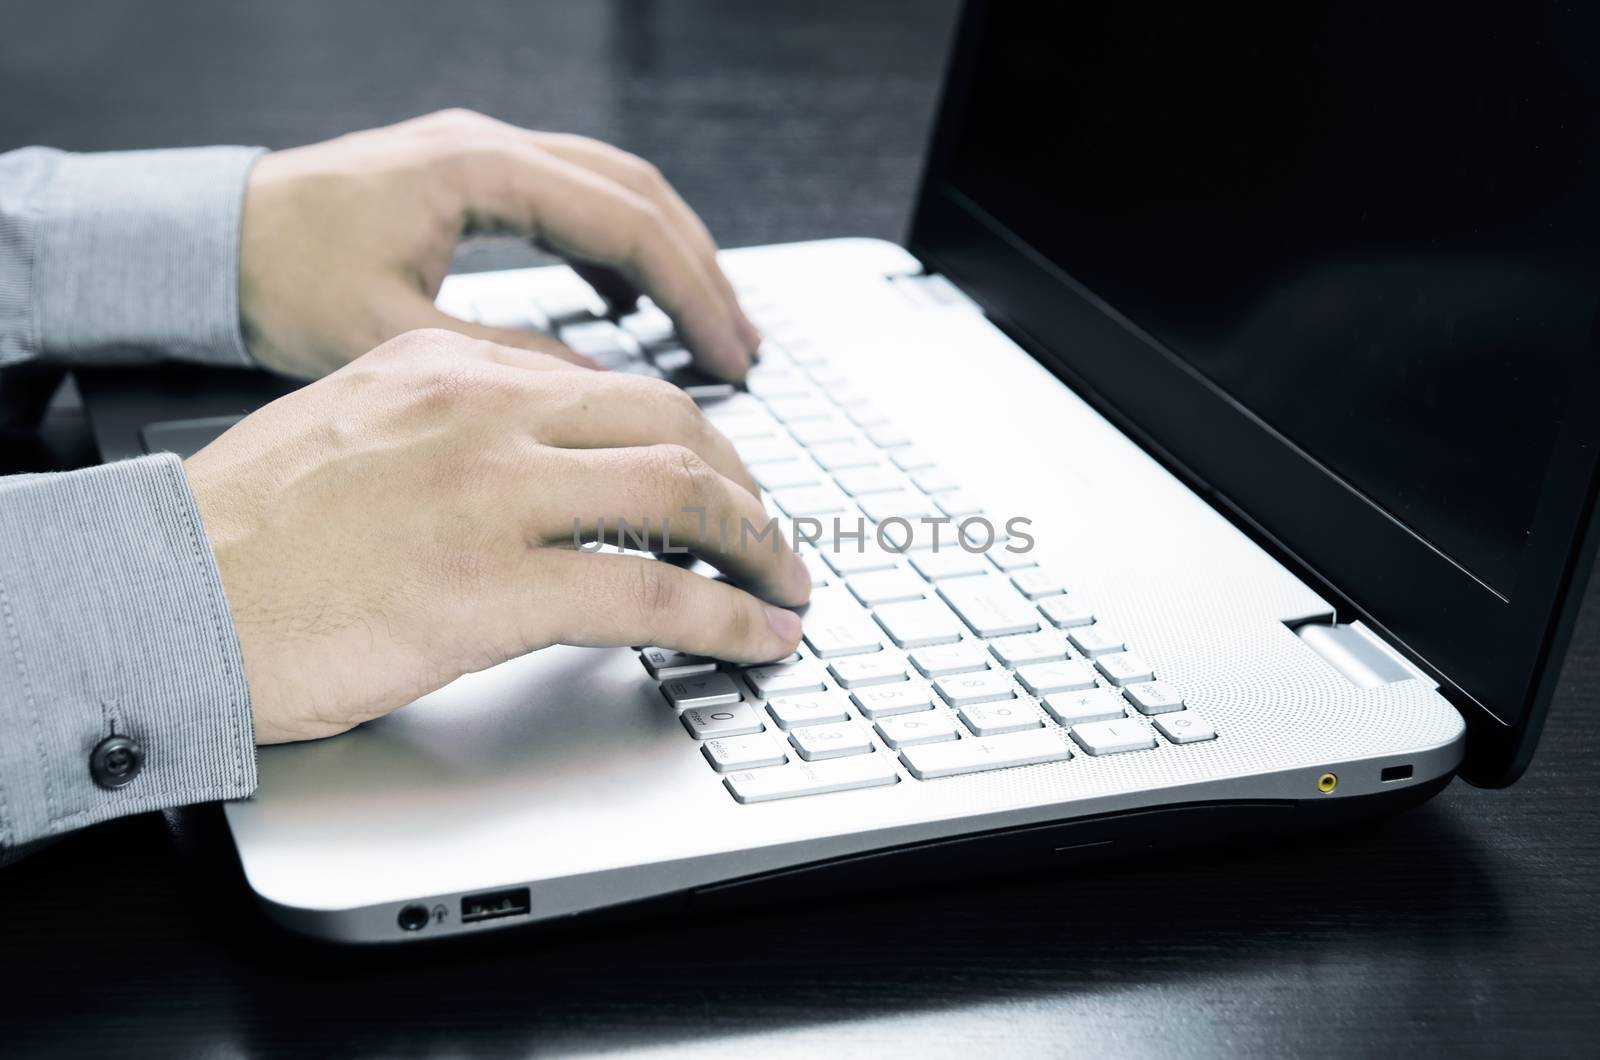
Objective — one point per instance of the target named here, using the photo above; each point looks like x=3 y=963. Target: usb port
x=1395 y=773
x=492 y=905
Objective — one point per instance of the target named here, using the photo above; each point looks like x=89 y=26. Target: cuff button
x=115 y=761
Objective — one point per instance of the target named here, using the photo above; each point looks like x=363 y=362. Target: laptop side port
x=493 y=905
x=1395 y=773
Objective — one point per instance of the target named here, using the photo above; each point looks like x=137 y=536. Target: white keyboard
x=927 y=662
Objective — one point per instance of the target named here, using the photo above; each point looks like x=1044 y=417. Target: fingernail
x=786 y=624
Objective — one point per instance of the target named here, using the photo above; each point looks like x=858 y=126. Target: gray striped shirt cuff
x=130 y=255
x=112 y=618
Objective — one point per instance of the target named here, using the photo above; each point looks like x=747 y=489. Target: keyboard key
x=957 y=563
x=819 y=431
x=918 y=622
x=989 y=606
x=672 y=359
x=1154 y=697
x=765 y=451
x=904 y=504
x=861 y=671
x=908 y=730
x=784 y=679
x=836 y=634
x=994 y=720
x=1112 y=737
x=931 y=533
x=884 y=701
x=701 y=690
x=774 y=382
x=1006 y=560
x=932 y=480
x=863 y=481
x=1063 y=613
x=817 y=743
x=508 y=309
x=1125 y=668
x=650 y=327
x=1185 y=727
x=886 y=587
x=1075 y=708
x=601 y=340
x=664 y=663
x=806 y=500
x=1041 y=679
x=820 y=574
x=957 y=505
x=794 y=409
x=961 y=658
x=710 y=723
x=1098 y=639
x=787 y=474
x=741 y=427
x=865 y=414
x=887 y=436
x=910 y=458
x=566 y=298
x=1028 y=648
x=791 y=712
x=743 y=752
x=983 y=686
x=841 y=456
x=812 y=778
x=993 y=752
x=1036 y=582
x=846 y=561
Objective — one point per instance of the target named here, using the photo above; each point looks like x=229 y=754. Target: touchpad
x=184 y=437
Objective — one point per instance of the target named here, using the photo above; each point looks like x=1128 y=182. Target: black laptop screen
x=1361 y=222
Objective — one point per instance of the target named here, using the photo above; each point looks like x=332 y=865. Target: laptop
x=1264 y=346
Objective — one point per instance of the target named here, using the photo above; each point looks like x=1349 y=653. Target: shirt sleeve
x=121 y=682
x=122 y=257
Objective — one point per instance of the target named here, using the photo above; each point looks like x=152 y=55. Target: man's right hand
x=410 y=518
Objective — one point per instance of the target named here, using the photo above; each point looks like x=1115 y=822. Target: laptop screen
x=1369 y=230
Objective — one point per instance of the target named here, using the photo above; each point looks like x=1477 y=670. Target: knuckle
x=684 y=469
x=640 y=174
x=654 y=592
x=455 y=119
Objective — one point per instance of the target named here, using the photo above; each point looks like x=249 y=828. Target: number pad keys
x=908 y=730
x=710 y=723
x=997 y=718
x=988 y=686
x=701 y=690
x=1154 y=697
x=819 y=742
x=882 y=701
x=791 y=712
x=1185 y=727
x=743 y=752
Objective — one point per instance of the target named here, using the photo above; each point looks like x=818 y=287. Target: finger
x=609 y=600
x=614 y=410
x=579 y=212
x=424 y=314
x=669 y=497
x=620 y=293
x=644 y=179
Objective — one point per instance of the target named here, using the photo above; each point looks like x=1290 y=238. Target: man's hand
x=345 y=243
x=410 y=518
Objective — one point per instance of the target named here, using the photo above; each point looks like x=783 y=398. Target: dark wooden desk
x=1468 y=926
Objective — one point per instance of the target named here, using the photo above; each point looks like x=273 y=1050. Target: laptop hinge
x=1360 y=654
x=929 y=290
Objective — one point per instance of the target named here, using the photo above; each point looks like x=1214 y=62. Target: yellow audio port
x=1327 y=782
